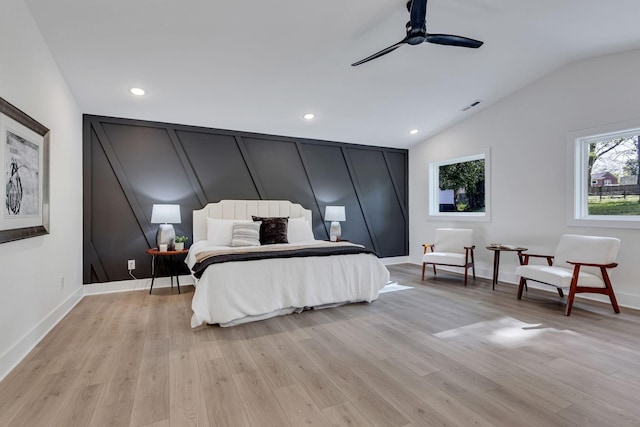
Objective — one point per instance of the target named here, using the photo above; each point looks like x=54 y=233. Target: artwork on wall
x=459 y=188
x=24 y=165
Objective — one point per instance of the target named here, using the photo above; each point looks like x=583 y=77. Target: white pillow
x=246 y=234
x=299 y=230
x=220 y=231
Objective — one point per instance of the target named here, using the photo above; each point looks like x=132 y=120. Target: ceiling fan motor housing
x=415 y=35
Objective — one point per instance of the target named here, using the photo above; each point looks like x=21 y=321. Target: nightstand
x=173 y=264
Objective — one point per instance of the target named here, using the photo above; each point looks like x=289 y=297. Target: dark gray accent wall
x=130 y=164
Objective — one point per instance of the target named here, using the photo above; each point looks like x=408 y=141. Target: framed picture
x=24 y=163
x=459 y=188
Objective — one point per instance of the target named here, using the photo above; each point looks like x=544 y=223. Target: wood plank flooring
x=435 y=355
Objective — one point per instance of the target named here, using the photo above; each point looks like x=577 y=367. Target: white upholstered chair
x=580 y=265
x=452 y=247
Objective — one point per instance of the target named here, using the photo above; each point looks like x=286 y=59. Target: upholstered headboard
x=244 y=209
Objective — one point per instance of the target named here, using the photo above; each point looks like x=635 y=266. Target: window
x=606 y=178
x=458 y=188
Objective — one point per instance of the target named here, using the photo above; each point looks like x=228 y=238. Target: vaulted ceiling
x=260 y=65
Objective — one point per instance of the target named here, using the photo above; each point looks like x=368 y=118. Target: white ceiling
x=259 y=65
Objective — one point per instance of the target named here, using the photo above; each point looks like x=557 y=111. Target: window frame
x=578 y=197
x=433 y=205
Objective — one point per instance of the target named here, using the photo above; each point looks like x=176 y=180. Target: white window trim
x=577 y=198
x=434 y=189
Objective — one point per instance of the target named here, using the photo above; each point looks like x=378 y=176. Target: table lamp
x=335 y=214
x=165 y=215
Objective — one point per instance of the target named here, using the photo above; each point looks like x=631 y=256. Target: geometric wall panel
x=131 y=164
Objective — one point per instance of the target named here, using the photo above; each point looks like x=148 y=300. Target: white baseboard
x=133 y=285
x=23 y=347
x=11 y=359
x=624 y=299
x=395 y=260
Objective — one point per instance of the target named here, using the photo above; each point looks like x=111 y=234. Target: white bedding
x=237 y=292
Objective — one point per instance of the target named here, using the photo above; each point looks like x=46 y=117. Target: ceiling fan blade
x=418 y=13
x=451 y=40
x=379 y=54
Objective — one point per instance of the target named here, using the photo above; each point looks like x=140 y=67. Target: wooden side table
x=496 y=258
x=173 y=264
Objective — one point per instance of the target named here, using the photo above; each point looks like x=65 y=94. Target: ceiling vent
x=473 y=104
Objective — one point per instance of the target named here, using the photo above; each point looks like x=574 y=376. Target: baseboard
x=624 y=299
x=133 y=285
x=23 y=347
x=395 y=260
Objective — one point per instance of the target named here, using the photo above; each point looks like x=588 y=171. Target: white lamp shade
x=166 y=214
x=334 y=213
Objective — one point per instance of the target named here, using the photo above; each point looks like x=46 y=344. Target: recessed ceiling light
x=137 y=91
x=309 y=116
x=413 y=131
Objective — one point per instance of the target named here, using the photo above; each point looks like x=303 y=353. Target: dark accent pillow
x=273 y=229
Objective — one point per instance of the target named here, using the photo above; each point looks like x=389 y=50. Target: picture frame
x=453 y=196
x=24 y=167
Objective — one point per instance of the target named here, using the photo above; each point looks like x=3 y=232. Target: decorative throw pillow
x=273 y=229
x=246 y=234
x=299 y=230
x=220 y=231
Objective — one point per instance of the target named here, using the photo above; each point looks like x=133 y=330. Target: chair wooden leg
x=612 y=296
x=560 y=292
x=521 y=285
x=466 y=272
x=572 y=290
x=572 y=294
x=473 y=266
x=614 y=303
x=423 y=265
x=434 y=269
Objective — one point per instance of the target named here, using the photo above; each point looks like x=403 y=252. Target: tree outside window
x=459 y=188
x=466 y=181
x=604 y=187
x=612 y=171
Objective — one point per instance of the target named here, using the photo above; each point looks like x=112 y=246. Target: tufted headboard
x=244 y=209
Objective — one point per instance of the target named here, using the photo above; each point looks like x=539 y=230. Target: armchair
x=580 y=265
x=452 y=247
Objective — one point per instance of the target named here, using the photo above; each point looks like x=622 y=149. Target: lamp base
x=166 y=235
x=335 y=231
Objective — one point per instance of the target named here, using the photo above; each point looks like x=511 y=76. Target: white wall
x=31 y=270
x=527 y=134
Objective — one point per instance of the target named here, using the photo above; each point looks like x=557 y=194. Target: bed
x=239 y=284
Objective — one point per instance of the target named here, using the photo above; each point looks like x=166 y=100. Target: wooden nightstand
x=173 y=264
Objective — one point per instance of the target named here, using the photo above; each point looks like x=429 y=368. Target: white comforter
x=237 y=292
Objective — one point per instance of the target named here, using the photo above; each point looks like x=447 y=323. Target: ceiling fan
x=417 y=33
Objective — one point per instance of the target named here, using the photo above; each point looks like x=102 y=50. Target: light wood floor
x=438 y=354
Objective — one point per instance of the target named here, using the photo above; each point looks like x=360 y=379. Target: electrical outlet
x=131 y=264
x=62 y=283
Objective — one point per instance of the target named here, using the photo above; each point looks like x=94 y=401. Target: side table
x=496 y=258
x=173 y=266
